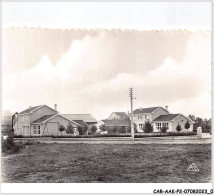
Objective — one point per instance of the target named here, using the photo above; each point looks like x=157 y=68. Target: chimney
x=166 y=107
x=55 y=107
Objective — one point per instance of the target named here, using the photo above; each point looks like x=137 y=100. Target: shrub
x=85 y=128
x=178 y=128
x=129 y=128
x=148 y=128
x=61 y=128
x=115 y=129
x=69 y=129
x=82 y=129
x=93 y=129
x=122 y=130
x=8 y=146
x=164 y=129
x=103 y=127
x=187 y=125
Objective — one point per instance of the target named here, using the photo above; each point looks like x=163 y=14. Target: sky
x=85 y=56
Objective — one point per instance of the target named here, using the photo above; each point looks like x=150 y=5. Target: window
x=145 y=116
x=25 y=130
x=165 y=125
x=140 y=126
x=158 y=126
x=36 y=129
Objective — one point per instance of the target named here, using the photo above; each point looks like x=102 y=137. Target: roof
x=80 y=122
x=117 y=122
x=48 y=117
x=145 y=110
x=44 y=118
x=167 y=117
x=122 y=115
x=30 y=109
x=87 y=118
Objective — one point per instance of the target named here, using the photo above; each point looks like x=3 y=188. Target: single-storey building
x=86 y=118
x=171 y=121
x=120 y=124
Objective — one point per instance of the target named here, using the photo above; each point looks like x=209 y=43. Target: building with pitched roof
x=118 y=116
x=160 y=117
x=171 y=121
x=40 y=120
x=86 y=118
x=141 y=115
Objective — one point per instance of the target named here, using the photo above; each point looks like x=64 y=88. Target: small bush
x=148 y=128
x=103 y=127
x=61 y=128
x=8 y=146
x=164 y=129
x=178 y=128
x=115 y=129
x=187 y=125
x=69 y=129
x=122 y=130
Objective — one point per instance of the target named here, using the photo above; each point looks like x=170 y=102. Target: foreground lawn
x=107 y=163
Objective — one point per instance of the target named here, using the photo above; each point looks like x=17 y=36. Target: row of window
x=141 y=117
x=26 y=130
x=140 y=126
x=160 y=125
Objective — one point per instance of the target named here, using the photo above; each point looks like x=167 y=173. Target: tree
x=103 y=127
x=80 y=129
x=93 y=129
x=164 y=129
x=69 y=129
x=187 y=125
x=178 y=128
x=61 y=128
x=192 y=117
x=148 y=128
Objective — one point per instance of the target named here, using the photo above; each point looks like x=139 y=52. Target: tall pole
x=132 y=123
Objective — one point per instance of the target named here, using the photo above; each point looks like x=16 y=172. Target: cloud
x=93 y=76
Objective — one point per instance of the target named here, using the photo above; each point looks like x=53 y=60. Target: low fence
x=137 y=135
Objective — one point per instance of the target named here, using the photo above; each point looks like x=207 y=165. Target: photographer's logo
x=193 y=167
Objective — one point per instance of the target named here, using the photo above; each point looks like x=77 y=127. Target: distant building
x=118 y=116
x=40 y=120
x=120 y=124
x=116 y=119
x=86 y=118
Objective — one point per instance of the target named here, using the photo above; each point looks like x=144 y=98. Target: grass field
x=107 y=163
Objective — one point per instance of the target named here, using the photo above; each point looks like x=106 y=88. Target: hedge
x=137 y=135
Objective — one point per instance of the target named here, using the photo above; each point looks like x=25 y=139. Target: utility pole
x=132 y=123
